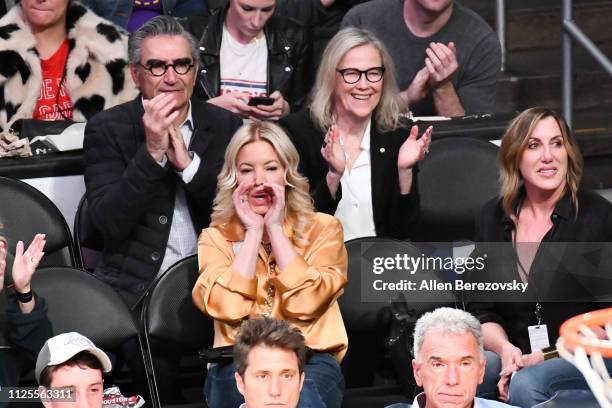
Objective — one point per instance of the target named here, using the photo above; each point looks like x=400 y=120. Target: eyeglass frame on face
x=153 y=64
x=343 y=72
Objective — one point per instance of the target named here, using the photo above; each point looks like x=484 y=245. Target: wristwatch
x=550 y=352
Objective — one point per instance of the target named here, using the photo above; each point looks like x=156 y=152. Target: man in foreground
x=70 y=368
x=449 y=361
x=269 y=356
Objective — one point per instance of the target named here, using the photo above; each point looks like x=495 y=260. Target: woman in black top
x=540 y=167
x=357 y=157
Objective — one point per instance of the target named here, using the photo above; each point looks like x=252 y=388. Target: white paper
x=538 y=337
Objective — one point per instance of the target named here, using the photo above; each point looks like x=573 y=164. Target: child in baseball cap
x=61 y=349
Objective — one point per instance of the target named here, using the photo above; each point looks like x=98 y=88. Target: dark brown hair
x=270 y=333
x=83 y=360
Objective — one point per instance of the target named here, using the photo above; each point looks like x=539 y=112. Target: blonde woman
x=268 y=253
x=357 y=157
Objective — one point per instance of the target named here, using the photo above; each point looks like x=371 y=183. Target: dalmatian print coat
x=97 y=74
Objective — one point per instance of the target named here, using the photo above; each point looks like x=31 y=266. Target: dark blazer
x=395 y=215
x=553 y=274
x=289 y=56
x=131 y=197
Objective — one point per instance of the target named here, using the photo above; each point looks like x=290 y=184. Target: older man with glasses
x=152 y=163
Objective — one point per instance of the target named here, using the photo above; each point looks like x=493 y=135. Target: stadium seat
x=78 y=301
x=380 y=332
x=367 y=323
x=26 y=211
x=170 y=317
x=455 y=180
x=88 y=241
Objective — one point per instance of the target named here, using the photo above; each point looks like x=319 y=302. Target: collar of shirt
x=187 y=127
x=564 y=209
x=420 y=401
x=364 y=156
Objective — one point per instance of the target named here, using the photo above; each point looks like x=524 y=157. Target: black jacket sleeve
x=119 y=187
x=307 y=139
x=303 y=74
x=28 y=332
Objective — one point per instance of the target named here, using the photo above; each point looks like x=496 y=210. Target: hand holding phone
x=261 y=100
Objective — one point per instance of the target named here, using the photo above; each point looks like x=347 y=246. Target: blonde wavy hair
x=322 y=109
x=514 y=143
x=299 y=206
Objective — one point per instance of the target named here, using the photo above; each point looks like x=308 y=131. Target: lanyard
x=538 y=305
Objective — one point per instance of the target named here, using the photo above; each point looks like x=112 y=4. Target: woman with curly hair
x=268 y=253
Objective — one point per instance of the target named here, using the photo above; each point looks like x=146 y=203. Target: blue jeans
x=534 y=384
x=323 y=384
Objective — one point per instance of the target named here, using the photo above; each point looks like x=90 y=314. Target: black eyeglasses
x=158 y=68
x=353 y=75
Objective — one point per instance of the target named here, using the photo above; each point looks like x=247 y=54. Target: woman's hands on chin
x=276 y=213
x=249 y=219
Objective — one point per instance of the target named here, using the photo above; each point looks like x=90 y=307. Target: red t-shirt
x=48 y=101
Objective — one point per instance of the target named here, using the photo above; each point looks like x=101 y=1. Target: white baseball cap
x=63 y=347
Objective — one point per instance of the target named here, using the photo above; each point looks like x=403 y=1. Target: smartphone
x=260 y=100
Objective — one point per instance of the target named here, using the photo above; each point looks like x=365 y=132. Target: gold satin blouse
x=306 y=291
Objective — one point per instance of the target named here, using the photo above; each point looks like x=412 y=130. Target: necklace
x=270 y=289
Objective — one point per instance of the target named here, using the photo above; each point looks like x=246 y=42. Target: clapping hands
x=414 y=150
x=332 y=151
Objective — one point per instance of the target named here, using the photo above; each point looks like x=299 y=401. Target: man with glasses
x=446 y=56
x=152 y=163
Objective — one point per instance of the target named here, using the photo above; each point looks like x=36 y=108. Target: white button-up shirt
x=183 y=239
x=355 y=207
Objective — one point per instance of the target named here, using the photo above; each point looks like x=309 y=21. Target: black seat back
x=169 y=312
x=25 y=211
x=88 y=240
x=78 y=301
x=367 y=322
x=456 y=179
x=170 y=317
x=382 y=330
